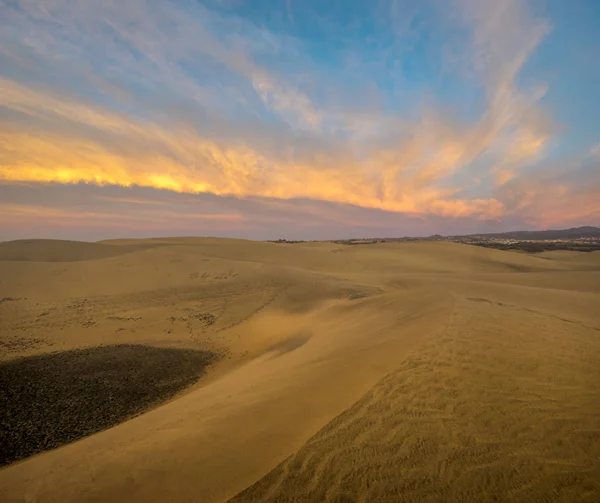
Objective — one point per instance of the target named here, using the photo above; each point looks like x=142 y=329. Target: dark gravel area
x=50 y=400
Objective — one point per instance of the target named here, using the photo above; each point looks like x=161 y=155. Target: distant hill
x=56 y=250
x=573 y=233
x=551 y=234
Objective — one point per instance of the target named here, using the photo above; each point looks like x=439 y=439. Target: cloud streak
x=192 y=99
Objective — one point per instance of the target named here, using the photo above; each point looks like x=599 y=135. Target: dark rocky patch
x=50 y=400
x=15 y=343
x=8 y=299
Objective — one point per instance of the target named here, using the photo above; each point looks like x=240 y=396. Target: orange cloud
x=179 y=160
x=526 y=146
x=557 y=196
x=27 y=214
x=489 y=208
x=331 y=154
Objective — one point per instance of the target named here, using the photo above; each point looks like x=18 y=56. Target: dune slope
x=398 y=372
x=54 y=250
x=500 y=407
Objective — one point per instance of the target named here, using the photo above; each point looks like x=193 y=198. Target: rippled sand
x=388 y=372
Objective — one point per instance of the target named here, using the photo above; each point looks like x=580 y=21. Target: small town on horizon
x=585 y=238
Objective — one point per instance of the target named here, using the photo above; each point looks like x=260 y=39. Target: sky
x=297 y=119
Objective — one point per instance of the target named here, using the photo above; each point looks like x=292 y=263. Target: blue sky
x=387 y=117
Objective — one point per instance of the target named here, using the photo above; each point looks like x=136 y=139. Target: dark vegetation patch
x=479 y=299
x=540 y=246
x=285 y=241
x=8 y=299
x=15 y=343
x=357 y=295
x=50 y=400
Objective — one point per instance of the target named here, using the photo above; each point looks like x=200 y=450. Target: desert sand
x=389 y=372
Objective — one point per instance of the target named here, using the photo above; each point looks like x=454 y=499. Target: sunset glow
x=457 y=113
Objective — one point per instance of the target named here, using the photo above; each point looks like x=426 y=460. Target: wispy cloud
x=192 y=98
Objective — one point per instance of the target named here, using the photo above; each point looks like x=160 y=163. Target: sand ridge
x=478 y=414
x=404 y=371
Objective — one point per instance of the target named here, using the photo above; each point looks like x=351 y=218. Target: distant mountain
x=573 y=233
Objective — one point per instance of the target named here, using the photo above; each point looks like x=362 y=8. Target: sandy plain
x=390 y=372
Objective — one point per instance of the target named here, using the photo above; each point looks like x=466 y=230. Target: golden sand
x=389 y=372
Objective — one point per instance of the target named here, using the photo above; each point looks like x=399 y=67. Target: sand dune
x=53 y=250
x=388 y=372
x=480 y=413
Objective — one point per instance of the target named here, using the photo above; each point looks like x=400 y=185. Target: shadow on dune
x=290 y=344
x=50 y=400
